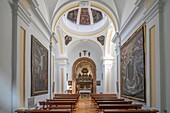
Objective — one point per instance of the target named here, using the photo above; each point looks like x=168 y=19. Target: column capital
x=107 y=61
x=14 y=6
x=117 y=40
x=62 y=60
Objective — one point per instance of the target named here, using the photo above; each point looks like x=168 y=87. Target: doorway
x=84 y=76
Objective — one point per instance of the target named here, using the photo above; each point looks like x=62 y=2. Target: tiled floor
x=85 y=105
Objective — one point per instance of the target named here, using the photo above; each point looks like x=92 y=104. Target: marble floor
x=85 y=105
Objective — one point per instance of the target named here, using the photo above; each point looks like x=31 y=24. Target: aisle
x=85 y=105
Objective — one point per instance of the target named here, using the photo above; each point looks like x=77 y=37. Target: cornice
x=96 y=33
x=40 y=30
x=35 y=8
x=125 y=25
x=153 y=10
x=143 y=17
x=24 y=14
x=115 y=37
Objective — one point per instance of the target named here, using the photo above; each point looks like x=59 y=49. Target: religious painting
x=97 y=15
x=72 y=15
x=101 y=39
x=67 y=39
x=39 y=68
x=84 y=17
x=133 y=66
x=98 y=83
x=69 y=83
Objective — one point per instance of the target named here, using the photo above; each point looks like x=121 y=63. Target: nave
x=52 y=47
x=82 y=103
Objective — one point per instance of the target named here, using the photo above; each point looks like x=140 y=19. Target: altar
x=84 y=93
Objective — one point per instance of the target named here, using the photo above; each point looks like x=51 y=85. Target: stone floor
x=85 y=105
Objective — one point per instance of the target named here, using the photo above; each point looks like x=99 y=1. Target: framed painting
x=39 y=68
x=69 y=83
x=132 y=61
x=98 y=83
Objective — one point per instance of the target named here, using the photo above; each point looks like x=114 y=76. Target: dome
x=84 y=20
x=84 y=16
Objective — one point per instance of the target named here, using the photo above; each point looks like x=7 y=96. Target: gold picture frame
x=132 y=66
x=39 y=68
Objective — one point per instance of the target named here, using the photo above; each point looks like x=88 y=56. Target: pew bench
x=42 y=111
x=114 y=102
x=130 y=111
x=57 y=105
x=120 y=106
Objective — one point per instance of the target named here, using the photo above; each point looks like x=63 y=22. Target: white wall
x=33 y=28
x=5 y=56
x=166 y=32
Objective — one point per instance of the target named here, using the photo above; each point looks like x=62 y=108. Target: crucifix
x=84 y=52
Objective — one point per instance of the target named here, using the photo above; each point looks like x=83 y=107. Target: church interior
x=84 y=56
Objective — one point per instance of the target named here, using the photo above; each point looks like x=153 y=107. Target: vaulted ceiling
x=116 y=6
x=115 y=15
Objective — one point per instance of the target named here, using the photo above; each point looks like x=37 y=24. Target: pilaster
x=117 y=40
x=62 y=68
x=107 y=65
x=15 y=91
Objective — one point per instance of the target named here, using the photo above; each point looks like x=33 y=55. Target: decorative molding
x=117 y=49
x=83 y=3
x=146 y=16
x=153 y=10
x=39 y=29
x=24 y=14
x=115 y=37
x=36 y=10
x=125 y=25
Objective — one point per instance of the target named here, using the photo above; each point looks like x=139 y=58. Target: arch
x=74 y=73
x=77 y=41
x=72 y=4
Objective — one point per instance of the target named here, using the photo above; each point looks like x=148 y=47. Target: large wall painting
x=39 y=68
x=133 y=66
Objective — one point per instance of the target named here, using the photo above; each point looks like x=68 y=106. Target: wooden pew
x=131 y=111
x=55 y=104
x=114 y=102
x=65 y=97
x=67 y=100
x=120 y=106
x=62 y=99
x=103 y=95
x=108 y=99
x=43 y=111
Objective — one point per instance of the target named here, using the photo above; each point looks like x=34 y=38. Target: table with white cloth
x=84 y=93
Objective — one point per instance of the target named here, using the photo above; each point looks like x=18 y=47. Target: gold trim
x=108 y=41
x=62 y=12
x=22 y=65
x=93 y=4
x=60 y=42
x=152 y=71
